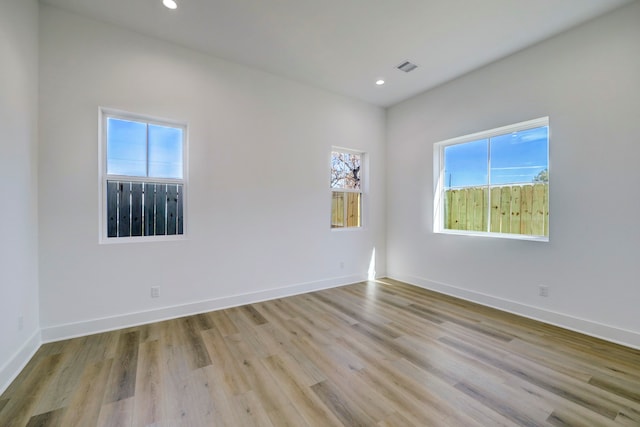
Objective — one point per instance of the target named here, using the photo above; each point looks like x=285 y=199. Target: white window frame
x=363 y=170
x=439 y=178
x=103 y=177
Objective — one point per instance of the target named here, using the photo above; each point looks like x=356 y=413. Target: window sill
x=141 y=239
x=343 y=229
x=494 y=235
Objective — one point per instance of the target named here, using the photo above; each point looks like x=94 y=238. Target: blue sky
x=515 y=158
x=127 y=149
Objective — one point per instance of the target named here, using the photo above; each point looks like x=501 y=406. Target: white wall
x=588 y=81
x=18 y=173
x=259 y=205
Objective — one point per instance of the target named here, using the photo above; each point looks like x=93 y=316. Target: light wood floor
x=368 y=354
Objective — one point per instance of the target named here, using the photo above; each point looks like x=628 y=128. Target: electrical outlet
x=155 y=291
x=543 y=291
x=20 y=323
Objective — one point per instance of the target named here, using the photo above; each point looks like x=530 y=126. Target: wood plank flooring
x=370 y=354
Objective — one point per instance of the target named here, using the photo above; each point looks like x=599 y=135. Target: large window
x=494 y=182
x=143 y=177
x=346 y=188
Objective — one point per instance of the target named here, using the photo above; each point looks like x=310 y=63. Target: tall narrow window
x=495 y=182
x=346 y=188
x=143 y=185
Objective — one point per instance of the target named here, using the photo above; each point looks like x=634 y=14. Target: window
x=494 y=182
x=143 y=177
x=346 y=188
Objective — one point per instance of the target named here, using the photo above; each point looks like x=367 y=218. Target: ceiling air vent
x=407 y=66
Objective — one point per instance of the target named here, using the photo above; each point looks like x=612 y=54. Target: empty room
x=334 y=213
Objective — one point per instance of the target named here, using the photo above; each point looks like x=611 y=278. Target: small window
x=346 y=188
x=494 y=182
x=143 y=185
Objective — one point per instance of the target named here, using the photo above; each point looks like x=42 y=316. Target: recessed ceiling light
x=170 y=4
x=379 y=82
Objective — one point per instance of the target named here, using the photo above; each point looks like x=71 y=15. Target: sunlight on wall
x=371 y=273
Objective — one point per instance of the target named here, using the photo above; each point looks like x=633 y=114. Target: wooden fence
x=144 y=209
x=516 y=209
x=345 y=205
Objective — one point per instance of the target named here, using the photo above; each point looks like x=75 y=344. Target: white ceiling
x=345 y=45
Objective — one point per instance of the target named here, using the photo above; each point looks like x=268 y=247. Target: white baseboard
x=93 y=326
x=587 y=327
x=10 y=370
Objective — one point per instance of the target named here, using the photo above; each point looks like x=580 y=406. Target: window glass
x=165 y=152
x=519 y=156
x=126 y=147
x=466 y=164
x=345 y=170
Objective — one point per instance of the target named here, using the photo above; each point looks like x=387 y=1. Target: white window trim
x=363 y=181
x=103 y=114
x=439 y=179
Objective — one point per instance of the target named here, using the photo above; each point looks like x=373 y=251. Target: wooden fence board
x=180 y=218
x=546 y=210
x=112 y=209
x=149 y=209
x=462 y=214
x=538 y=210
x=479 y=214
x=468 y=214
x=496 y=216
x=505 y=210
x=136 y=209
x=526 y=209
x=515 y=209
x=447 y=209
x=172 y=209
x=470 y=210
x=468 y=223
x=337 y=209
x=161 y=209
x=353 y=209
x=124 y=205
x=454 y=216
